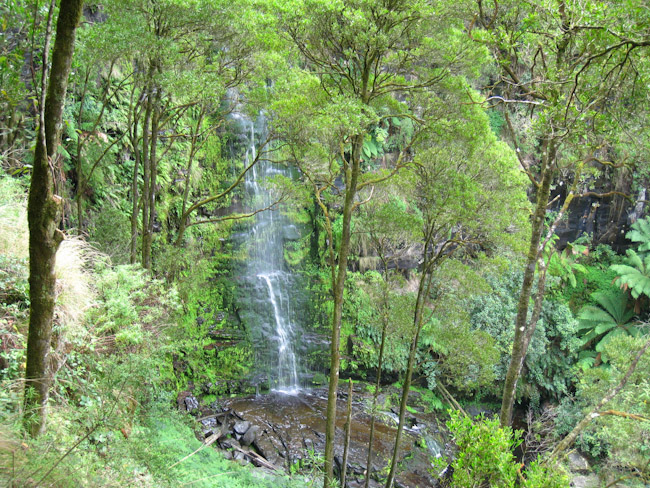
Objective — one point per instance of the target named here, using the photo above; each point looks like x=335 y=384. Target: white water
x=270 y=284
x=287 y=371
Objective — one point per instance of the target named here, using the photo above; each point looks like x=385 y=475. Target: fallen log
x=256 y=458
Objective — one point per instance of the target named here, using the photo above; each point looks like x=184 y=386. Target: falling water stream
x=269 y=286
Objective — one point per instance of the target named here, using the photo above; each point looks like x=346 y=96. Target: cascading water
x=269 y=289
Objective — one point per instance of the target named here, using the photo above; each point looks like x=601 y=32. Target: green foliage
x=541 y=475
x=363 y=309
x=600 y=324
x=640 y=233
x=14 y=240
x=110 y=232
x=497 y=121
x=126 y=304
x=634 y=275
x=156 y=446
x=621 y=444
x=428 y=399
x=14 y=288
x=554 y=346
x=565 y=264
x=485 y=457
x=485 y=452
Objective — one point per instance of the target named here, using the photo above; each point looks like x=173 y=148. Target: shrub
x=553 y=348
x=485 y=457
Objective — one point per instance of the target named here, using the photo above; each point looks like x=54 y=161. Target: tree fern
x=602 y=323
x=634 y=275
x=640 y=232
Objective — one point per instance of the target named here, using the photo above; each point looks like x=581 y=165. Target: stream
x=283 y=432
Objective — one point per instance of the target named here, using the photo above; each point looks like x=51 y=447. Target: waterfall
x=287 y=371
x=269 y=288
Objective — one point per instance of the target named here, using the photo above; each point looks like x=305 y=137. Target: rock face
x=606 y=219
x=578 y=463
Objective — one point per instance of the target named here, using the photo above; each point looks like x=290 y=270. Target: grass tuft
x=75 y=292
x=14 y=235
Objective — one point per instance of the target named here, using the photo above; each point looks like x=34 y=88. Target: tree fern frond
x=640 y=232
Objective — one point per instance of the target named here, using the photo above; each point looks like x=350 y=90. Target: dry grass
x=74 y=259
x=14 y=235
x=75 y=293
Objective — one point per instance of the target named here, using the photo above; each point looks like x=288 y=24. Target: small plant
x=564 y=264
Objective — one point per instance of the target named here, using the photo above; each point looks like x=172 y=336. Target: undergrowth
x=112 y=420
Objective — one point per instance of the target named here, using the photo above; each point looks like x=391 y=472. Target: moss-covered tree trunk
x=146 y=170
x=351 y=180
x=44 y=212
x=380 y=362
x=524 y=328
x=424 y=286
x=135 y=196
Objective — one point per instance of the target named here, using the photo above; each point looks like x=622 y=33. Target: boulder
x=191 y=403
x=209 y=426
x=230 y=443
x=267 y=449
x=241 y=458
x=186 y=401
x=578 y=463
x=589 y=481
x=249 y=437
x=241 y=427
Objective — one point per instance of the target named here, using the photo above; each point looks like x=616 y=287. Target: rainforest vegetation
x=415 y=231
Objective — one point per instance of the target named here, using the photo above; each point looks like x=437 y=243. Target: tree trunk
x=348 y=433
x=44 y=211
x=352 y=177
x=380 y=364
x=524 y=329
x=147 y=237
x=134 y=192
x=182 y=226
x=133 y=121
x=146 y=167
x=423 y=291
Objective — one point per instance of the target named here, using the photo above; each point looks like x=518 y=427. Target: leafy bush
x=131 y=305
x=364 y=307
x=110 y=231
x=485 y=457
x=14 y=234
x=553 y=348
x=621 y=444
x=485 y=452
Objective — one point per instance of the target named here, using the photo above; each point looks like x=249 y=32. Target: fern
x=602 y=323
x=640 y=232
x=634 y=275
